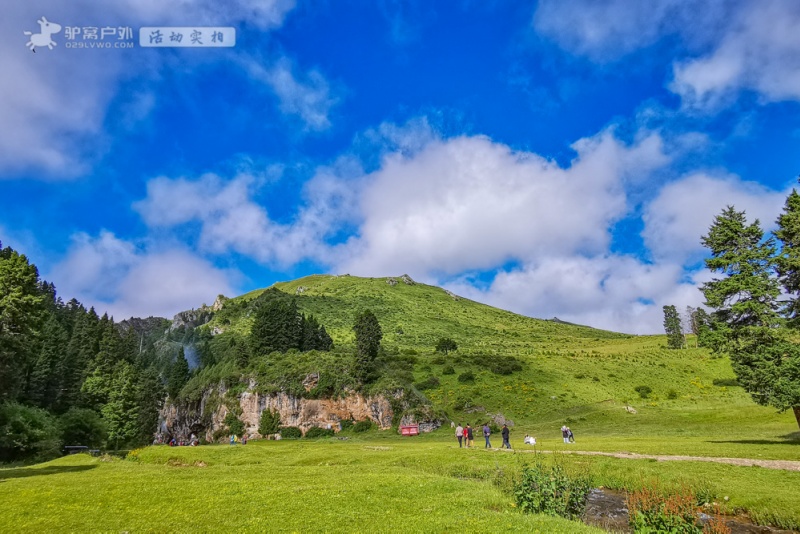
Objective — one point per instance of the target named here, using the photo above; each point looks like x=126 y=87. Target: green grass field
x=379 y=482
x=570 y=374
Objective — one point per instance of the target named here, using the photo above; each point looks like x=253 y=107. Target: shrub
x=290 y=432
x=651 y=511
x=318 y=432
x=643 y=391
x=551 y=491
x=27 y=433
x=346 y=423
x=269 y=423
x=81 y=426
x=234 y=424
x=448 y=370
x=445 y=345
x=429 y=383
x=362 y=426
x=672 y=394
x=467 y=376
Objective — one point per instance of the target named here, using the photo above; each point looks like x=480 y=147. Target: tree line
x=755 y=302
x=66 y=374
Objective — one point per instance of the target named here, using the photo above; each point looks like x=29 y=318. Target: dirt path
x=785 y=465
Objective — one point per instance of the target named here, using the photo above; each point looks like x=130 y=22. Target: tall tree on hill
x=46 y=379
x=22 y=311
x=746 y=318
x=788 y=261
x=315 y=337
x=277 y=326
x=178 y=375
x=672 y=326
x=368 y=342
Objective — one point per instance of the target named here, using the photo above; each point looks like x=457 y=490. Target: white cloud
x=684 y=210
x=54 y=103
x=607 y=30
x=309 y=98
x=114 y=275
x=469 y=203
x=231 y=220
x=613 y=292
x=760 y=51
x=729 y=46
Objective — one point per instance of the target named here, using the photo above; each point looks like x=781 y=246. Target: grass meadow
x=588 y=379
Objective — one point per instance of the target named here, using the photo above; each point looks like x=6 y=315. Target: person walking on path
x=486 y=433
x=504 y=433
x=469 y=436
x=565 y=433
x=459 y=434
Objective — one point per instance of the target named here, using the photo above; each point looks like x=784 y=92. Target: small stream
x=606 y=509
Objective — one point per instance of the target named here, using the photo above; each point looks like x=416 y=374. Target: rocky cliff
x=205 y=418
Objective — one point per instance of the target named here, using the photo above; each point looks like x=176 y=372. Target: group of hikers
x=465 y=436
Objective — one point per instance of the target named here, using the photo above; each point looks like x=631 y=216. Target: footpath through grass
x=372 y=484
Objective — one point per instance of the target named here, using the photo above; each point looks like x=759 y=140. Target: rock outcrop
x=207 y=417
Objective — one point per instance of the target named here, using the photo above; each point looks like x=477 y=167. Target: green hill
x=566 y=373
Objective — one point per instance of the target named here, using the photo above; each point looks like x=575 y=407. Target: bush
x=445 y=344
x=27 y=433
x=82 y=427
x=429 y=383
x=672 y=394
x=467 y=376
x=318 y=432
x=234 y=424
x=448 y=370
x=643 y=391
x=362 y=426
x=290 y=432
x=651 y=511
x=551 y=491
x=346 y=423
x=269 y=423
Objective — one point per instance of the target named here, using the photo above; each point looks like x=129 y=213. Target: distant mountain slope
x=413 y=314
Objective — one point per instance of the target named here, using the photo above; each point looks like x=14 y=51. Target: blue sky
x=559 y=158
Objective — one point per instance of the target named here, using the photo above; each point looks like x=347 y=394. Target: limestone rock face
x=191 y=318
x=205 y=418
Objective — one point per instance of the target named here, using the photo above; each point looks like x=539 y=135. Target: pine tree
x=121 y=412
x=368 y=342
x=22 y=311
x=672 y=326
x=178 y=375
x=747 y=296
x=46 y=379
x=788 y=261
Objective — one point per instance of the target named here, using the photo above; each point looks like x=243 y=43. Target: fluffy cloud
x=759 y=52
x=607 y=30
x=684 y=210
x=469 y=203
x=231 y=220
x=113 y=275
x=729 y=46
x=54 y=103
x=309 y=98
x=618 y=293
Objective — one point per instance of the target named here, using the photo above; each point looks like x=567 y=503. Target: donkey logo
x=43 y=37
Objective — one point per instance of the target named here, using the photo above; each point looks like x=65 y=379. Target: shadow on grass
x=788 y=439
x=24 y=472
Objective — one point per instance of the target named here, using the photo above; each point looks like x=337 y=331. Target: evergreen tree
x=178 y=375
x=788 y=261
x=745 y=320
x=22 y=311
x=368 y=342
x=46 y=379
x=747 y=296
x=150 y=395
x=672 y=326
x=121 y=412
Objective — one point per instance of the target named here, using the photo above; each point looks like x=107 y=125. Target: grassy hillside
x=571 y=374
